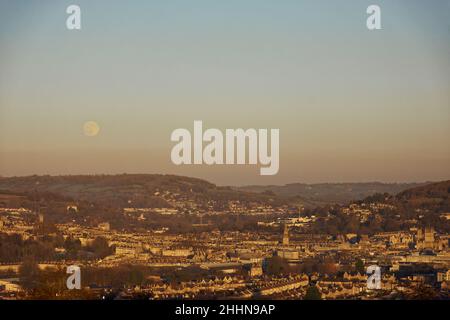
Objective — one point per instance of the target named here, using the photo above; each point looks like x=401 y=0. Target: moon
x=91 y=129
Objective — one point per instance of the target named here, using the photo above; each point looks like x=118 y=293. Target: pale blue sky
x=351 y=104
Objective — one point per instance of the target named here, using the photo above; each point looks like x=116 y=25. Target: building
x=256 y=270
x=429 y=235
x=72 y=208
x=443 y=276
x=427 y=239
x=10 y=285
x=290 y=255
x=104 y=226
x=286 y=235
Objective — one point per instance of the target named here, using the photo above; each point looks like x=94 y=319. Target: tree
x=100 y=247
x=359 y=266
x=277 y=265
x=312 y=293
x=29 y=274
x=328 y=267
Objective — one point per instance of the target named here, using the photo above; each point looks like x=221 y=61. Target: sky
x=352 y=105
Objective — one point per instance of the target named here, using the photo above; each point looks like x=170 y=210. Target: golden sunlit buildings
x=426 y=239
x=286 y=235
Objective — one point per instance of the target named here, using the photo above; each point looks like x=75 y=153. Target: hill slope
x=435 y=196
x=328 y=193
x=141 y=189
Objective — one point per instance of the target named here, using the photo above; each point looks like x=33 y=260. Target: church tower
x=286 y=235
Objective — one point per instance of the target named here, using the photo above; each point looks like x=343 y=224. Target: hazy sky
x=351 y=104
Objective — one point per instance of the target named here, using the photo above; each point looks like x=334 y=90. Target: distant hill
x=142 y=189
x=420 y=206
x=312 y=195
x=431 y=196
x=439 y=190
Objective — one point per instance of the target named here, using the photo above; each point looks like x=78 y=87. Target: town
x=222 y=249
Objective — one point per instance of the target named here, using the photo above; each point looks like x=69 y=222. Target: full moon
x=91 y=129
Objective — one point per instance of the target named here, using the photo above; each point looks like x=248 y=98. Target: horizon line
x=224 y=185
